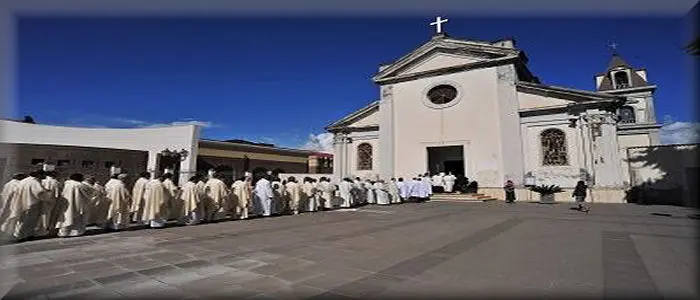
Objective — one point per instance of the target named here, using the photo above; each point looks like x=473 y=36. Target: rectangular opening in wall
x=62 y=162
x=446 y=159
x=88 y=164
x=36 y=161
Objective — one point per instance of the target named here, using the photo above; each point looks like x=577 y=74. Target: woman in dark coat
x=579 y=195
x=509 y=188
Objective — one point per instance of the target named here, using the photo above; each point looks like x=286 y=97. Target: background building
x=93 y=151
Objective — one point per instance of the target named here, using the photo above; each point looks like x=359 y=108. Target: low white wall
x=153 y=140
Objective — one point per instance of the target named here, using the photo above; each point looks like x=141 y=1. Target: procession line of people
x=38 y=205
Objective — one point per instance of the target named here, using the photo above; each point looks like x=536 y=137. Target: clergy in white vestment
x=47 y=220
x=359 y=191
x=309 y=200
x=371 y=195
x=138 y=193
x=263 y=196
x=394 y=193
x=191 y=212
x=327 y=192
x=449 y=182
x=172 y=194
x=345 y=188
x=119 y=198
x=78 y=196
x=9 y=211
x=438 y=183
x=426 y=189
x=31 y=197
x=404 y=189
x=241 y=195
x=382 y=194
x=218 y=198
x=414 y=189
x=99 y=202
x=278 y=204
x=292 y=192
x=155 y=209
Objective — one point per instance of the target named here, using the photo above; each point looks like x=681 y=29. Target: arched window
x=621 y=80
x=626 y=114
x=364 y=156
x=553 y=147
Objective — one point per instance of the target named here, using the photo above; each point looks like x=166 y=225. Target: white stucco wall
x=471 y=123
x=153 y=140
x=358 y=138
x=529 y=100
x=564 y=176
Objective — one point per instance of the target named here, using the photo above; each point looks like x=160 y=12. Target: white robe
x=240 y=197
x=173 y=197
x=73 y=220
x=414 y=189
x=382 y=195
x=137 y=202
x=425 y=188
x=8 y=216
x=156 y=207
x=293 y=194
x=393 y=187
x=360 y=192
x=345 y=189
x=47 y=220
x=30 y=195
x=218 y=201
x=100 y=205
x=191 y=212
x=404 y=189
x=118 y=195
x=263 y=197
x=309 y=197
x=437 y=181
x=370 y=193
x=327 y=192
x=278 y=204
x=449 y=183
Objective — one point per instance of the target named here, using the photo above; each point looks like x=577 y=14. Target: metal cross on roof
x=613 y=47
x=438 y=24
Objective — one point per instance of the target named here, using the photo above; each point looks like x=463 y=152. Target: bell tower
x=637 y=115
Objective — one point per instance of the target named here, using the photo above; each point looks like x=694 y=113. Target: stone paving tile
x=431 y=249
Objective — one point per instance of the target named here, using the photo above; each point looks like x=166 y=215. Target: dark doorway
x=169 y=162
x=446 y=159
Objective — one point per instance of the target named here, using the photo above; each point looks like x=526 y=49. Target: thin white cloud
x=322 y=142
x=187 y=121
x=680 y=133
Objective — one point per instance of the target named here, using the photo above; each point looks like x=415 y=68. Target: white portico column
x=386 y=133
x=338 y=156
x=606 y=154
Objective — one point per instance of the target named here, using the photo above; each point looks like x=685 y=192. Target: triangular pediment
x=365 y=117
x=444 y=53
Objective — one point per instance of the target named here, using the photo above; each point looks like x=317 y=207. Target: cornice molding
x=446 y=70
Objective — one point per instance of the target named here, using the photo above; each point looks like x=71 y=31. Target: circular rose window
x=442 y=94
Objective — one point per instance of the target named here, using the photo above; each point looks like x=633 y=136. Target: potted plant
x=546 y=192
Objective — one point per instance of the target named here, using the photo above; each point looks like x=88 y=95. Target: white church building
x=474 y=108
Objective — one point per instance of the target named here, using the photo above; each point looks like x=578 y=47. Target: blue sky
x=281 y=80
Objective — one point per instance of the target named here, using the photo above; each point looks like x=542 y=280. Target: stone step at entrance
x=463 y=197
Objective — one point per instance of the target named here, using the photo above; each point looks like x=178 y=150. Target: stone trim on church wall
x=455 y=101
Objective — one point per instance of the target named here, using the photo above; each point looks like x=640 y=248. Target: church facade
x=473 y=108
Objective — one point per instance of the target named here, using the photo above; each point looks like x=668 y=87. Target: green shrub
x=546 y=189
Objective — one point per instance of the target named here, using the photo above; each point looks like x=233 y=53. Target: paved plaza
x=428 y=250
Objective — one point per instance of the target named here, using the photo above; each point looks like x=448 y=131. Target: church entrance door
x=446 y=159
